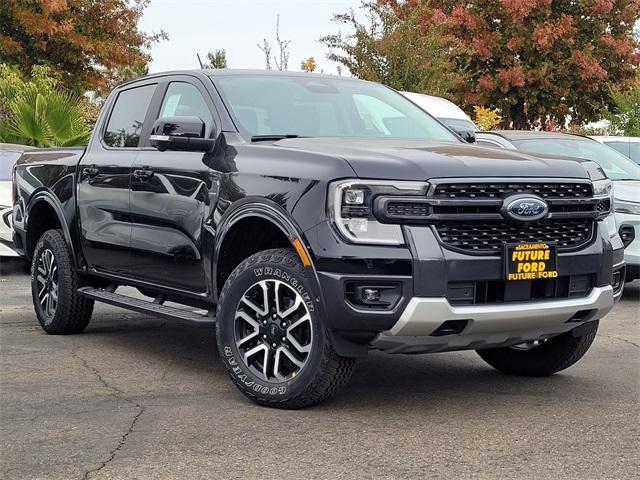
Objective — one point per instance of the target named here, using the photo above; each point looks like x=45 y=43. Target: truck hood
x=395 y=159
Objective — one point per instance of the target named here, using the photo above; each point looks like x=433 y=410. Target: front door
x=103 y=182
x=170 y=200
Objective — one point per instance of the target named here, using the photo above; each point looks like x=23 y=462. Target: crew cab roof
x=226 y=72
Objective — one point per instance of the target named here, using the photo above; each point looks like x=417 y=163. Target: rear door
x=170 y=197
x=103 y=188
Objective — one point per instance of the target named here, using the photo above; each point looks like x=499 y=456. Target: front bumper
x=424 y=272
x=489 y=325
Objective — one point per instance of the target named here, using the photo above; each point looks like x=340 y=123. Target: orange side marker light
x=302 y=253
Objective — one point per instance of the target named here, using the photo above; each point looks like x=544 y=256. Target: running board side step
x=144 y=306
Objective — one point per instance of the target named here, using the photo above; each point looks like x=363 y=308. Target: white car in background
x=447 y=112
x=8 y=155
x=628 y=146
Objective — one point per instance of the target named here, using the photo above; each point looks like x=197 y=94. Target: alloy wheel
x=47 y=282
x=273 y=330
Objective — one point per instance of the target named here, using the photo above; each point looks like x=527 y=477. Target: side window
x=125 y=123
x=183 y=99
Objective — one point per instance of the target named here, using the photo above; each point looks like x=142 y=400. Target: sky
x=198 y=26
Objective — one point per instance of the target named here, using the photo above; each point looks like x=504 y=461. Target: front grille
x=484 y=292
x=503 y=189
x=491 y=236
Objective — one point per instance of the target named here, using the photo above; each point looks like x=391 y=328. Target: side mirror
x=467 y=135
x=180 y=133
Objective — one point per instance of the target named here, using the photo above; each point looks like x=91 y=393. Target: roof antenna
x=200 y=61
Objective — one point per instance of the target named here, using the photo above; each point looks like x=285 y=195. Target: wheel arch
x=275 y=230
x=40 y=207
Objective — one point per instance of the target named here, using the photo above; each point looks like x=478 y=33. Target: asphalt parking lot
x=138 y=397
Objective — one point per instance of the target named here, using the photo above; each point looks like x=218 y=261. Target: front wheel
x=272 y=337
x=539 y=358
x=54 y=287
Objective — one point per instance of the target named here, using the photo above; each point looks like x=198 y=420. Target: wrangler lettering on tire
x=274 y=343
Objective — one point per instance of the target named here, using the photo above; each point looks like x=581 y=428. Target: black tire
x=325 y=372
x=554 y=355
x=72 y=312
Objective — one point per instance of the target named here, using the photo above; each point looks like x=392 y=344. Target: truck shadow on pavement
x=164 y=351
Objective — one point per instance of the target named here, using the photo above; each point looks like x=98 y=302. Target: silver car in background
x=9 y=153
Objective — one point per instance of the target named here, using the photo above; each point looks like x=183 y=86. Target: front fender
x=271 y=212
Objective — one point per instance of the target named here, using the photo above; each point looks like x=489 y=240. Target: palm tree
x=45 y=120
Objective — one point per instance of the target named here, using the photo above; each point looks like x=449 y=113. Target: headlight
x=602 y=188
x=350 y=206
x=623 y=206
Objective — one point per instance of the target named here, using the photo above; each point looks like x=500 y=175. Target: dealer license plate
x=530 y=261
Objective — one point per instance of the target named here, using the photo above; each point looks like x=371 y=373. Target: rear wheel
x=273 y=339
x=539 y=358
x=54 y=287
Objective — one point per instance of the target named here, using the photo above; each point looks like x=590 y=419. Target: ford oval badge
x=525 y=209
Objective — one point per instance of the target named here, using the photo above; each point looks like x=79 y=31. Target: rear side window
x=125 y=124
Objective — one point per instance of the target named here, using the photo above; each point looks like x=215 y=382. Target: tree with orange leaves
x=540 y=62
x=84 y=42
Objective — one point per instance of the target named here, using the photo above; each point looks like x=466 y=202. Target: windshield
x=325 y=107
x=614 y=164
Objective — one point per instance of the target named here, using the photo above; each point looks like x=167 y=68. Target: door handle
x=143 y=173
x=90 y=171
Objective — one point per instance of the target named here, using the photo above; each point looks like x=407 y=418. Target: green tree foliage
x=37 y=112
x=395 y=50
x=539 y=61
x=216 y=59
x=84 y=42
x=626 y=120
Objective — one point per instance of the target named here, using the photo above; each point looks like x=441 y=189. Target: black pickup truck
x=314 y=218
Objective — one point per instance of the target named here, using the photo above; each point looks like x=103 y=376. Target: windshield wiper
x=267 y=138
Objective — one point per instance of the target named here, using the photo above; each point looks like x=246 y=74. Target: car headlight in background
x=350 y=206
x=623 y=206
x=602 y=188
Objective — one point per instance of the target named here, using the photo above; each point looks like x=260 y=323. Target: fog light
x=370 y=295
x=377 y=296
x=627 y=234
x=617 y=281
